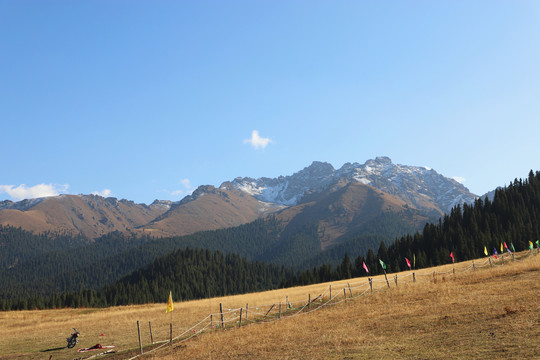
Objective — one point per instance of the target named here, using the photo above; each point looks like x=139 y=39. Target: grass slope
x=490 y=313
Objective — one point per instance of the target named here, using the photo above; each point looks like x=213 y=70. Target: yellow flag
x=170 y=306
x=502 y=248
x=485 y=251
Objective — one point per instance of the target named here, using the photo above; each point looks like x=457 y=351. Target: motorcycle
x=73 y=339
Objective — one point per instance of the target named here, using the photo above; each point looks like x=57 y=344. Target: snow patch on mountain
x=417 y=185
x=22 y=205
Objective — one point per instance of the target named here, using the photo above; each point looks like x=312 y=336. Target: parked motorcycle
x=73 y=339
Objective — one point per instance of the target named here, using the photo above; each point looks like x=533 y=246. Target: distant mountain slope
x=208 y=208
x=422 y=187
x=336 y=201
x=345 y=208
x=89 y=215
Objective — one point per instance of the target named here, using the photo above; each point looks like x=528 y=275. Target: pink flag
x=505 y=246
x=408 y=263
x=452 y=256
x=365 y=267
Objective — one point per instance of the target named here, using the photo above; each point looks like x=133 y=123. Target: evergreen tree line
x=18 y=246
x=513 y=217
x=54 y=263
x=189 y=274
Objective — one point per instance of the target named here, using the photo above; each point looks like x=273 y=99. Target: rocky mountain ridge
x=243 y=200
x=422 y=187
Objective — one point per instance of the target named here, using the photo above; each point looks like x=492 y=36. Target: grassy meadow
x=489 y=313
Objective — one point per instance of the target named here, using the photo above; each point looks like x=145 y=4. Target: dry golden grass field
x=490 y=313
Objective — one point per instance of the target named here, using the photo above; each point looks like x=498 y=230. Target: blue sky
x=147 y=100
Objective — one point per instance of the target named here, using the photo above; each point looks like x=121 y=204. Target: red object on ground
x=96 y=347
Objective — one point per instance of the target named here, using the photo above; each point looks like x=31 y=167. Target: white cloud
x=187 y=189
x=104 y=192
x=459 y=179
x=256 y=141
x=22 y=191
x=186 y=183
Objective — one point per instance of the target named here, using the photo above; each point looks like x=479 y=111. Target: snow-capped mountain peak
x=421 y=186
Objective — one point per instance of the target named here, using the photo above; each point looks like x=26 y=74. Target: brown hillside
x=89 y=215
x=209 y=209
x=344 y=208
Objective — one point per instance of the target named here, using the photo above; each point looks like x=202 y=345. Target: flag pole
x=387 y=283
x=383 y=265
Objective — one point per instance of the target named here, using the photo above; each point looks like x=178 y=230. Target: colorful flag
x=512 y=246
x=530 y=245
x=414 y=260
x=382 y=264
x=501 y=248
x=452 y=256
x=485 y=251
x=408 y=263
x=537 y=244
x=494 y=251
x=506 y=247
x=170 y=305
x=365 y=266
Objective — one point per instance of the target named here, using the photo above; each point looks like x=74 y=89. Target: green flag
x=382 y=264
x=537 y=244
x=530 y=245
x=512 y=246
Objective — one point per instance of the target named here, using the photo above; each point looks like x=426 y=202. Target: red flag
x=505 y=246
x=408 y=263
x=365 y=267
x=452 y=256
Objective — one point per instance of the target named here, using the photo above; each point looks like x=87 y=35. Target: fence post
x=221 y=311
x=350 y=291
x=395 y=279
x=280 y=309
x=309 y=301
x=211 y=322
x=170 y=336
x=371 y=284
x=490 y=264
x=240 y=324
x=151 y=336
x=247 y=312
x=386 y=277
x=139 y=332
x=413 y=277
x=345 y=294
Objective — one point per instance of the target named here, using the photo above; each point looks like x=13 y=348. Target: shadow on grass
x=54 y=349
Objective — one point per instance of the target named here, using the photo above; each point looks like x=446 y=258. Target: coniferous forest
x=513 y=216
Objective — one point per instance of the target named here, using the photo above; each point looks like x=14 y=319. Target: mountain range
x=340 y=202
